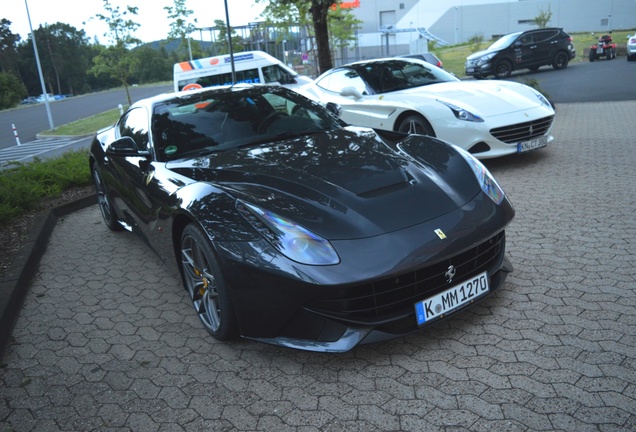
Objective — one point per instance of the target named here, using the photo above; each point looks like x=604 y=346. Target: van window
x=245 y=76
x=275 y=73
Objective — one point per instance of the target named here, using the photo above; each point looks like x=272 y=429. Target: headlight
x=290 y=239
x=461 y=113
x=485 y=59
x=543 y=99
x=487 y=182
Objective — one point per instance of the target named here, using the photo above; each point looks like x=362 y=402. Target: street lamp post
x=37 y=61
x=229 y=41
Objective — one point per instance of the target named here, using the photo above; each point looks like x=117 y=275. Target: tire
x=105 y=204
x=561 y=60
x=608 y=54
x=416 y=124
x=592 y=56
x=503 y=69
x=205 y=284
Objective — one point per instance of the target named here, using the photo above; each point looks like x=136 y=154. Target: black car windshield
x=224 y=119
x=504 y=42
x=393 y=75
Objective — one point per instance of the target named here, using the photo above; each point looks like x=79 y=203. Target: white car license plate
x=599 y=50
x=451 y=299
x=532 y=144
x=470 y=69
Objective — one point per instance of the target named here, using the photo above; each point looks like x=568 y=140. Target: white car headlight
x=292 y=240
x=544 y=101
x=461 y=113
x=487 y=182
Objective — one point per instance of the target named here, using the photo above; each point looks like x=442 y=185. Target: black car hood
x=342 y=184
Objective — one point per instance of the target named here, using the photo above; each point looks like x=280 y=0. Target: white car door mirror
x=351 y=91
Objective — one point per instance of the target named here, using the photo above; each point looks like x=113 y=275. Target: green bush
x=22 y=186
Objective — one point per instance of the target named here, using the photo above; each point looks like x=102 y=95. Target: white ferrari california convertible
x=489 y=118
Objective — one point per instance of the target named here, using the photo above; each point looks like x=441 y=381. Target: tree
x=117 y=60
x=8 y=47
x=220 y=46
x=64 y=56
x=543 y=18
x=154 y=65
x=180 y=28
x=342 y=25
x=319 y=11
x=11 y=90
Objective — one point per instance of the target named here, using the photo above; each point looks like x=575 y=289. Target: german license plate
x=446 y=302
x=532 y=144
x=599 y=50
x=470 y=69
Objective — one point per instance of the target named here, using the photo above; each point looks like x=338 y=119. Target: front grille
x=383 y=299
x=521 y=132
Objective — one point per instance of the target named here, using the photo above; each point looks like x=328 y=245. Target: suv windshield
x=504 y=42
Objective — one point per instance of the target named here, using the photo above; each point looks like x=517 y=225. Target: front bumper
x=318 y=307
x=489 y=139
x=482 y=70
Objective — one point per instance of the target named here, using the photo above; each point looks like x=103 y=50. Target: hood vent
x=406 y=182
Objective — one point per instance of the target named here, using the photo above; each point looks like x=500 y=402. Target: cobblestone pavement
x=107 y=339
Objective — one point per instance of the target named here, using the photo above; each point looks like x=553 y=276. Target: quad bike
x=605 y=47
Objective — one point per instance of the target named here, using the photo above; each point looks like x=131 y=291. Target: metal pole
x=15 y=133
x=37 y=61
x=229 y=41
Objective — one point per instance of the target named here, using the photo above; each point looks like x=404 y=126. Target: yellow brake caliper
x=204 y=288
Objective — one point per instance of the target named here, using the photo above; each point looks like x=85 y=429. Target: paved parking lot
x=107 y=339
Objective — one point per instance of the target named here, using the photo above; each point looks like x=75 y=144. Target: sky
x=151 y=15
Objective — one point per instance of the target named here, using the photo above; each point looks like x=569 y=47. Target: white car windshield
x=393 y=75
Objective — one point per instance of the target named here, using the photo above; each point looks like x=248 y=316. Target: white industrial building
x=396 y=27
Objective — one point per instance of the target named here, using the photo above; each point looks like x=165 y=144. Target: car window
x=341 y=78
x=249 y=76
x=545 y=35
x=392 y=75
x=275 y=73
x=225 y=120
x=527 y=39
x=135 y=125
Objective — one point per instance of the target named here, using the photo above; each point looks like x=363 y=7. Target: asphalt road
x=600 y=81
x=30 y=120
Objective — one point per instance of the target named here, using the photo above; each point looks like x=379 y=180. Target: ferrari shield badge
x=440 y=233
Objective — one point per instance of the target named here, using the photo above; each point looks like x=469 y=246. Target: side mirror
x=334 y=108
x=351 y=91
x=125 y=146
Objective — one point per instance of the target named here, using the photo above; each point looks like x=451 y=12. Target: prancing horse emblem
x=450 y=273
